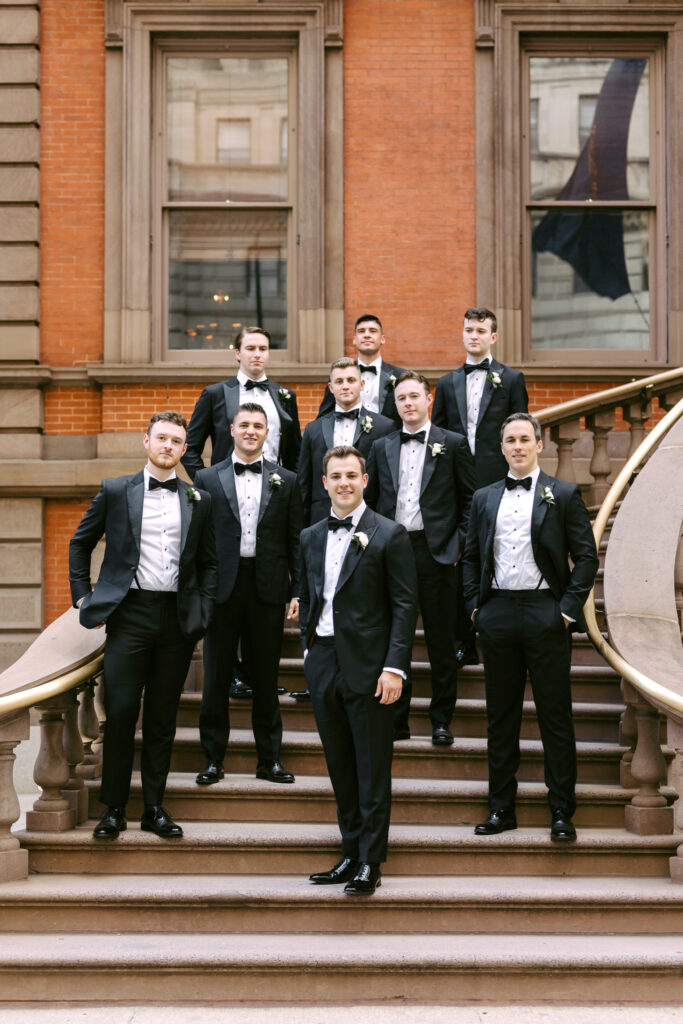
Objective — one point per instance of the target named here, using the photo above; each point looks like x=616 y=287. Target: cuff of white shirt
x=396 y=671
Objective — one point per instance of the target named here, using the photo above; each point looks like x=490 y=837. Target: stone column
x=674 y=737
x=51 y=811
x=74 y=791
x=13 y=860
x=648 y=813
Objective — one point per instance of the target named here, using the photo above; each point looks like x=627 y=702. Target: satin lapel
x=136 y=496
x=274 y=390
x=487 y=393
x=492 y=504
x=327 y=424
x=185 y=514
x=354 y=554
x=430 y=461
x=231 y=395
x=393 y=450
x=539 y=510
x=227 y=479
x=460 y=389
x=267 y=487
x=319 y=549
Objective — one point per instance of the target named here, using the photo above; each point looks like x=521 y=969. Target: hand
x=293 y=610
x=389 y=686
x=567 y=622
x=474 y=614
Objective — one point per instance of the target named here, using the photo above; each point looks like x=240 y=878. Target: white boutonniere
x=193 y=494
x=275 y=480
x=495 y=378
x=391 y=380
x=284 y=394
x=437 y=448
x=366 y=424
x=361 y=540
x=547 y=496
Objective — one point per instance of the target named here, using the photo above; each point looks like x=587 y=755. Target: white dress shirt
x=159 y=539
x=513 y=557
x=410 y=467
x=338 y=542
x=248 y=486
x=262 y=397
x=344 y=430
x=474 y=383
x=371 y=386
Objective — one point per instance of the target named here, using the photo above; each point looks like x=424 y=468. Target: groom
x=357 y=616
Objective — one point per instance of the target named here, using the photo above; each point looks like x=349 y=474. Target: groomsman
x=155 y=593
x=525 y=601
x=378 y=376
x=423 y=477
x=357 y=618
x=257 y=520
x=218 y=403
x=474 y=400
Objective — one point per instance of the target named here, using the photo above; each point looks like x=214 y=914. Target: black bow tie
x=419 y=437
x=511 y=483
x=251 y=467
x=339 y=524
x=251 y=384
x=168 y=485
x=485 y=364
x=367 y=369
x=350 y=414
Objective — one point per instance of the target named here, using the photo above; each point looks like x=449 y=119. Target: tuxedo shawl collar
x=460 y=393
x=186 y=504
x=267 y=487
x=393 y=450
x=231 y=396
x=436 y=436
x=318 y=548
x=226 y=475
x=355 y=551
x=384 y=386
x=487 y=394
x=327 y=424
x=539 y=511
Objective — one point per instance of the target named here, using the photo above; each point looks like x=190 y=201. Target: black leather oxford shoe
x=441 y=736
x=212 y=773
x=497 y=821
x=466 y=654
x=240 y=689
x=300 y=695
x=111 y=823
x=273 y=772
x=562 y=829
x=343 y=871
x=160 y=822
x=367 y=878
x=401 y=732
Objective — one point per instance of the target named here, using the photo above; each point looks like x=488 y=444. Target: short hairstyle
x=342 y=451
x=368 y=316
x=251 y=407
x=239 y=338
x=345 y=363
x=169 y=416
x=481 y=313
x=528 y=418
x=413 y=375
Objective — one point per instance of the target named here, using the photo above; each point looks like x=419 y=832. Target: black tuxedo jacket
x=446 y=489
x=375 y=603
x=387 y=405
x=559 y=531
x=116 y=511
x=277 y=536
x=215 y=411
x=497 y=403
x=318 y=437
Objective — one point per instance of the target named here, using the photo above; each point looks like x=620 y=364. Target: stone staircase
x=509 y=918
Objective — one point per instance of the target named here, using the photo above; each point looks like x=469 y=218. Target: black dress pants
x=357 y=736
x=437 y=600
x=519 y=631
x=145 y=650
x=260 y=625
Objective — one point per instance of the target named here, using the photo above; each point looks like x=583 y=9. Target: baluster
x=564 y=435
x=89 y=727
x=74 y=791
x=648 y=813
x=13 y=860
x=674 y=738
x=600 y=424
x=635 y=414
x=98 y=701
x=628 y=732
x=51 y=811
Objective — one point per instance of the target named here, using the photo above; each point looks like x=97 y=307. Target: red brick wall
x=72 y=411
x=61 y=519
x=409 y=172
x=72 y=180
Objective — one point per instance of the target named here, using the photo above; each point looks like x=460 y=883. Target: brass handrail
x=60 y=684
x=580 y=406
x=649 y=687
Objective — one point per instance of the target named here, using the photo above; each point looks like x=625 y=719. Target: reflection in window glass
x=596 y=296
x=226 y=269
x=608 y=158
x=224 y=117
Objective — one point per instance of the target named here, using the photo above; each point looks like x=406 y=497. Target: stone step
x=300 y=848
x=220 y=904
x=414 y=758
x=435 y=802
x=592 y=721
x=261 y=968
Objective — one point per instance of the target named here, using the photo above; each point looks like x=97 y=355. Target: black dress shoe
x=273 y=772
x=111 y=823
x=343 y=871
x=367 y=878
x=562 y=829
x=212 y=773
x=160 y=822
x=497 y=821
x=281 y=690
x=402 y=733
x=300 y=695
x=466 y=654
x=441 y=736
x=240 y=689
